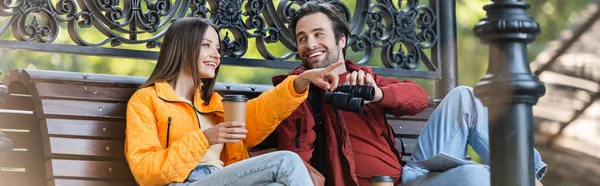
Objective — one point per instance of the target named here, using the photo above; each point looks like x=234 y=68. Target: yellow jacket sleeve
x=266 y=111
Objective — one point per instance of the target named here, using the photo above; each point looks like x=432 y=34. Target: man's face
x=316 y=41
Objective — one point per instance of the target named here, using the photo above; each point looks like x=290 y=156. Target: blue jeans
x=460 y=119
x=275 y=168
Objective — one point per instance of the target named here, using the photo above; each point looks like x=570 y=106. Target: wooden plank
x=18 y=102
x=59 y=168
x=423 y=115
x=12 y=76
x=72 y=148
x=16 y=119
x=409 y=145
x=20 y=139
x=406 y=158
x=35 y=156
x=70 y=108
x=84 y=128
x=69 y=90
x=31 y=75
x=38 y=76
x=14 y=178
x=73 y=182
x=12 y=81
x=15 y=159
x=407 y=128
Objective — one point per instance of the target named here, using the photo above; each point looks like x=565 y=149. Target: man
x=348 y=147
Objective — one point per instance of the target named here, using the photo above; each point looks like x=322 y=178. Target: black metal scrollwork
x=404 y=30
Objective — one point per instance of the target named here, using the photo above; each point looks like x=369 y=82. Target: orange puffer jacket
x=156 y=112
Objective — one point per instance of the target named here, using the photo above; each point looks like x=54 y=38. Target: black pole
x=509 y=91
x=5 y=144
x=447 y=39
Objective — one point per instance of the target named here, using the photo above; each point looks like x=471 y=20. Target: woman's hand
x=317 y=76
x=226 y=132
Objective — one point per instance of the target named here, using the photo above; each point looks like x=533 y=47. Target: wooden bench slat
x=31 y=75
x=16 y=119
x=15 y=159
x=76 y=148
x=18 y=102
x=71 y=182
x=84 y=92
x=409 y=145
x=423 y=115
x=15 y=87
x=20 y=139
x=407 y=128
x=407 y=158
x=110 y=170
x=40 y=76
x=71 y=108
x=84 y=128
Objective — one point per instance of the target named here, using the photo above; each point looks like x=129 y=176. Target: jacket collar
x=166 y=92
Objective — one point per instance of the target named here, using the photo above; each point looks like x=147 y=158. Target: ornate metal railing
x=403 y=33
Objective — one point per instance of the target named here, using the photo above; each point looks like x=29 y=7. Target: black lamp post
x=509 y=90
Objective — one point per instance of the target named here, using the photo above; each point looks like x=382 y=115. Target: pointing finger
x=333 y=66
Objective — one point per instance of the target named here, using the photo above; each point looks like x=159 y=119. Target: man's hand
x=226 y=132
x=318 y=76
x=363 y=79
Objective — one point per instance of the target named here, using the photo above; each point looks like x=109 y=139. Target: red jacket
x=296 y=132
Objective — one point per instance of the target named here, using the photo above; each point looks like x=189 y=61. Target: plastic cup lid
x=235 y=98
x=378 y=178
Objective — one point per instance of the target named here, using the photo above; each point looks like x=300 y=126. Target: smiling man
x=350 y=147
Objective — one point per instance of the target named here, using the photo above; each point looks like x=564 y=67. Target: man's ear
x=342 y=42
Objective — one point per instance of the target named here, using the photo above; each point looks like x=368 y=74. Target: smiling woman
x=176 y=133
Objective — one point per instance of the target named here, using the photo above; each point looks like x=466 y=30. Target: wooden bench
x=68 y=128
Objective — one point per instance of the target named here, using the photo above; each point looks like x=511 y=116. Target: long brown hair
x=180 y=50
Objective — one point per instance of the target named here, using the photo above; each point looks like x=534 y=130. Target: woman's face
x=209 y=58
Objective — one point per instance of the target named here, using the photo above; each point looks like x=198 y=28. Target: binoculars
x=350 y=98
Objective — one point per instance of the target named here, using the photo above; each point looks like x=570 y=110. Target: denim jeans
x=460 y=119
x=275 y=168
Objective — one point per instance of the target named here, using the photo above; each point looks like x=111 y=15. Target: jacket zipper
x=298 y=133
x=198 y=119
x=168 y=130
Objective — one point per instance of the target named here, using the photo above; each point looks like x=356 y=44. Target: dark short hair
x=338 y=22
x=180 y=50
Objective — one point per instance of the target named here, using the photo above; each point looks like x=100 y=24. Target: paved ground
x=567 y=167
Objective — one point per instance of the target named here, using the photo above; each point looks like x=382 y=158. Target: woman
x=175 y=131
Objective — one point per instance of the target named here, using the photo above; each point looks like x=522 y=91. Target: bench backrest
x=74 y=127
x=70 y=128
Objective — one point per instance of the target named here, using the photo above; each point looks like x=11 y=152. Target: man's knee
x=461 y=91
x=470 y=175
